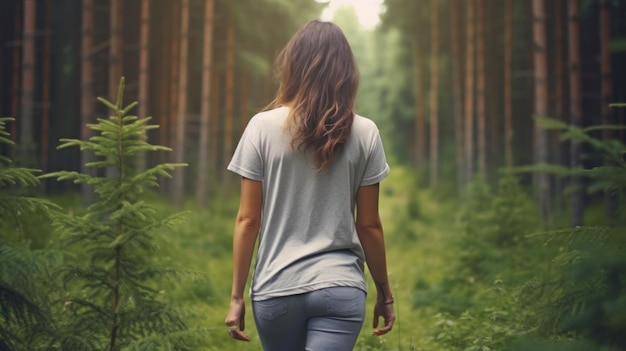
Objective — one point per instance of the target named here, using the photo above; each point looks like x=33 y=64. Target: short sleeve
x=376 y=168
x=247 y=160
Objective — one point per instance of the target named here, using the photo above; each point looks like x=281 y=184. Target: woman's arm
x=244 y=238
x=370 y=231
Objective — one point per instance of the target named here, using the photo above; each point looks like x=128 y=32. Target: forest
x=503 y=121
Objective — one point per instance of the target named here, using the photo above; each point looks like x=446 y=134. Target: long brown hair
x=319 y=81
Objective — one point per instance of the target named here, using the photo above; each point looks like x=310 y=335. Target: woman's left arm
x=245 y=235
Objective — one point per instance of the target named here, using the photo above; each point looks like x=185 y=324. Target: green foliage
x=581 y=303
x=114 y=294
x=24 y=305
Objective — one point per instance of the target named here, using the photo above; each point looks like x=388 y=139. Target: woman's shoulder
x=271 y=114
x=363 y=124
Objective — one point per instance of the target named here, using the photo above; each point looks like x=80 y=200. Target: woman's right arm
x=370 y=231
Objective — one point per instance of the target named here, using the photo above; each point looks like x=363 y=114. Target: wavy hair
x=318 y=81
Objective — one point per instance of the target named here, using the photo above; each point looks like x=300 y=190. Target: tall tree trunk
x=167 y=80
x=178 y=190
x=457 y=90
x=481 y=136
x=26 y=144
x=244 y=98
x=540 y=67
x=434 y=95
x=559 y=96
x=205 y=110
x=230 y=99
x=87 y=97
x=174 y=59
x=116 y=52
x=144 y=67
x=116 y=48
x=214 y=128
x=15 y=71
x=508 y=82
x=575 y=110
x=469 y=92
x=607 y=91
x=45 y=94
x=144 y=55
x=420 y=124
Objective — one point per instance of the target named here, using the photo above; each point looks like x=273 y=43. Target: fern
x=114 y=297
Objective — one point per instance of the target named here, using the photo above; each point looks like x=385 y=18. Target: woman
x=305 y=165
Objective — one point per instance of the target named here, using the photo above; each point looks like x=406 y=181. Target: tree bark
x=116 y=52
x=575 y=91
x=508 y=82
x=144 y=55
x=610 y=202
x=230 y=100
x=116 y=48
x=457 y=91
x=559 y=96
x=26 y=144
x=469 y=92
x=45 y=94
x=420 y=124
x=87 y=97
x=481 y=136
x=178 y=190
x=540 y=67
x=205 y=110
x=144 y=68
x=434 y=95
x=15 y=72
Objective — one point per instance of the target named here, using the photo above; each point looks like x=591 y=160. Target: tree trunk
x=575 y=91
x=610 y=202
x=174 y=58
x=15 y=73
x=144 y=55
x=540 y=67
x=508 y=82
x=214 y=128
x=481 y=136
x=420 y=124
x=178 y=190
x=230 y=100
x=144 y=67
x=166 y=80
x=559 y=96
x=205 y=111
x=469 y=92
x=116 y=52
x=116 y=48
x=434 y=95
x=457 y=91
x=26 y=144
x=45 y=94
x=87 y=97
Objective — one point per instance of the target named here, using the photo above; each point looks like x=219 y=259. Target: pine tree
x=114 y=300
x=23 y=303
x=584 y=299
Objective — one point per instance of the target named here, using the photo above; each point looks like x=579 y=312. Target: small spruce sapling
x=115 y=300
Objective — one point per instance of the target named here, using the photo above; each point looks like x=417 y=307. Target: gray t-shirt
x=308 y=238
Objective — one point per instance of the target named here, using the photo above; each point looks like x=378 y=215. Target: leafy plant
x=584 y=299
x=115 y=297
x=24 y=310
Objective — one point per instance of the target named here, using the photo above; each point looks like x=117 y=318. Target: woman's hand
x=384 y=310
x=235 y=320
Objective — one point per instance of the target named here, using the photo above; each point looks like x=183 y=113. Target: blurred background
x=487 y=110
x=453 y=85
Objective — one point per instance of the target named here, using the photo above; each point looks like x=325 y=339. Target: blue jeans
x=321 y=320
